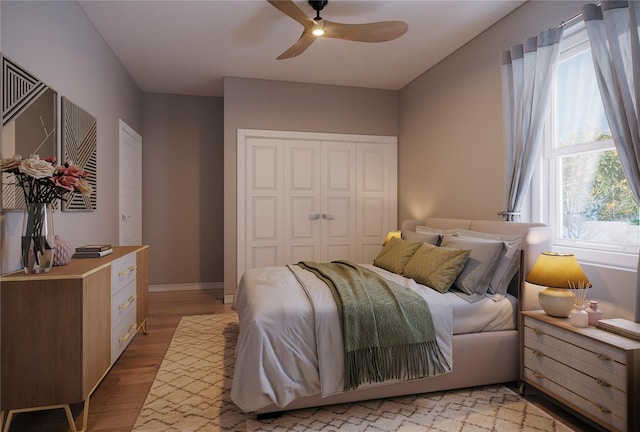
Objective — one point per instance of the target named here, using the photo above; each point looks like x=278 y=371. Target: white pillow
x=428 y=230
x=483 y=260
x=430 y=238
x=509 y=263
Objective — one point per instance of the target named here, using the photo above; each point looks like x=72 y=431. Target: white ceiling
x=187 y=47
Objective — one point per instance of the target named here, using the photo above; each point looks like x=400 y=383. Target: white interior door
x=130 y=186
x=376 y=182
x=302 y=206
x=264 y=202
x=338 y=201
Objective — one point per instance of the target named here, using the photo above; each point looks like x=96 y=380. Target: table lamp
x=392 y=234
x=560 y=274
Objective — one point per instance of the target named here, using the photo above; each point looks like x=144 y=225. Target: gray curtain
x=613 y=34
x=527 y=76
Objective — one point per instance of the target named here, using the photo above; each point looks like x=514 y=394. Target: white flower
x=10 y=163
x=36 y=167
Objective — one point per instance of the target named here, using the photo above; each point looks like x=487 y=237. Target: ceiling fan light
x=318 y=28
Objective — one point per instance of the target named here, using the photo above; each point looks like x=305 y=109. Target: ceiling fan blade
x=371 y=32
x=298 y=48
x=288 y=7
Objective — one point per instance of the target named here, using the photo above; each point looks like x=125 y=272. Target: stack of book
x=621 y=326
x=92 y=251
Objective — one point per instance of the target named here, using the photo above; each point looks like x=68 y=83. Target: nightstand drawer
x=576 y=357
x=598 y=354
x=594 y=389
x=602 y=413
x=123 y=272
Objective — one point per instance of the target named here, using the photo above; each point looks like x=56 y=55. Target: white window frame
x=544 y=188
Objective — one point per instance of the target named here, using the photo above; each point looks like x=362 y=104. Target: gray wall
x=56 y=42
x=275 y=105
x=451 y=154
x=183 y=188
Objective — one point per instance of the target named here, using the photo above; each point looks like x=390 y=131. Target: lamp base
x=557 y=302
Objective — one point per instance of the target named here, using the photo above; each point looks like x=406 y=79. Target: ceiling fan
x=318 y=27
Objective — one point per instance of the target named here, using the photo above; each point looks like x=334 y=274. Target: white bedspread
x=290 y=343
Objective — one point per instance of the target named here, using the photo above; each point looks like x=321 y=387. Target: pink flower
x=72 y=170
x=65 y=181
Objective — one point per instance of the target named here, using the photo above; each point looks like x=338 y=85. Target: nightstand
x=591 y=371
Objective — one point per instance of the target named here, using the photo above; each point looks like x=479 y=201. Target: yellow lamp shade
x=558 y=273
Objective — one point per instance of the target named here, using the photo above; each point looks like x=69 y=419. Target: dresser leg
x=144 y=327
x=85 y=416
x=67 y=411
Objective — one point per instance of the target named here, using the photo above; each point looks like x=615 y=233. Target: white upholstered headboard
x=537 y=238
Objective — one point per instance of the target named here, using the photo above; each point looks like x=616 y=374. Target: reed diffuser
x=579 y=316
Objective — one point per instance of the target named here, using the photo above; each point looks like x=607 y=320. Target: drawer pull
x=537 y=331
x=603 y=409
x=128 y=303
x=538 y=353
x=602 y=383
x=603 y=357
x=127 y=271
x=537 y=374
x=132 y=327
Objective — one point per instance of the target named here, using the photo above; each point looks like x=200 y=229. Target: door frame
x=128 y=130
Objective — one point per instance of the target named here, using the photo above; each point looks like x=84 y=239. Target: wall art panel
x=29 y=124
x=80 y=145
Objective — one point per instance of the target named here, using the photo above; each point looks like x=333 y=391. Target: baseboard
x=228 y=298
x=216 y=286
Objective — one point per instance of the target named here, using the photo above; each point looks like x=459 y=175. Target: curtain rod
x=573 y=18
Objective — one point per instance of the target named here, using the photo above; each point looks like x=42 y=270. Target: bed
x=289 y=357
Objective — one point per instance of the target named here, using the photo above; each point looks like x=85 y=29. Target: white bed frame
x=478 y=358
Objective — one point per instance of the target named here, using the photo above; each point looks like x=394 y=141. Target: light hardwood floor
x=115 y=404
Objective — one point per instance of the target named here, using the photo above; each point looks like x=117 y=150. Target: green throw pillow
x=396 y=254
x=436 y=267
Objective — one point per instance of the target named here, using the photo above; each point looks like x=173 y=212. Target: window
x=583 y=191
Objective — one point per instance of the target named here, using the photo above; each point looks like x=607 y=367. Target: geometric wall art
x=29 y=124
x=80 y=145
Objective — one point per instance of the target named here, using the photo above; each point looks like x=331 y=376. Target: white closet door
x=338 y=200
x=302 y=206
x=313 y=196
x=376 y=205
x=264 y=202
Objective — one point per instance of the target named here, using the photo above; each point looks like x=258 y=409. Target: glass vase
x=38 y=238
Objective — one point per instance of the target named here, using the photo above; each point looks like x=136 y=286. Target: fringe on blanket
x=404 y=362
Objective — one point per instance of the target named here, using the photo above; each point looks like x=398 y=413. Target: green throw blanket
x=387 y=329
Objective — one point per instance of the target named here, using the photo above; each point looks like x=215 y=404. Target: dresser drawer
x=123 y=272
x=122 y=335
x=123 y=302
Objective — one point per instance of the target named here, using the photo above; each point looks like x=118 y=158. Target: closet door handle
x=328 y=216
x=314 y=216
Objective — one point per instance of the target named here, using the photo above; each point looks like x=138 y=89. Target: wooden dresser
x=61 y=331
x=594 y=372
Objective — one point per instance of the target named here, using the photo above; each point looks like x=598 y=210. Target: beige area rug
x=191 y=393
